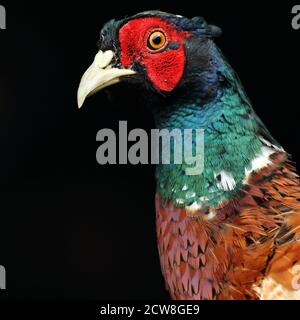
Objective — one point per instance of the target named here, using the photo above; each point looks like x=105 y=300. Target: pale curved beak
x=100 y=75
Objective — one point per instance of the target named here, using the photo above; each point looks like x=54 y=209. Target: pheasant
x=233 y=231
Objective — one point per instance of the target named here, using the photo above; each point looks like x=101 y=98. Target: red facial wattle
x=163 y=67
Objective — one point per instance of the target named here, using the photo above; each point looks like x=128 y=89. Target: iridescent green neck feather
x=233 y=137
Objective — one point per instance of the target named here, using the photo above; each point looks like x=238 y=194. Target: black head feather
x=198 y=25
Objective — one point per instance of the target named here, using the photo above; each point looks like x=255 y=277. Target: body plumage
x=231 y=232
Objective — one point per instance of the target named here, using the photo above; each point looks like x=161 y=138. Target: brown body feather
x=246 y=250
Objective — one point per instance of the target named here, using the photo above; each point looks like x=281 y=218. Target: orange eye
x=156 y=40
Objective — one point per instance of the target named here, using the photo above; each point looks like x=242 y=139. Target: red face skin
x=164 y=67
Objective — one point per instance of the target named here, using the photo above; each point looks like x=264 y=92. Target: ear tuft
x=213 y=31
x=200 y=22
x=208 y=30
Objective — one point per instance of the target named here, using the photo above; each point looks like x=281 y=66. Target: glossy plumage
x=253 y=237
x=233 y=231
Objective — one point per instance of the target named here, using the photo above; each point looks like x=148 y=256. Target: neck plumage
x=233 y=137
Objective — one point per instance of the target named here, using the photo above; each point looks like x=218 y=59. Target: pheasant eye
x=156 y=40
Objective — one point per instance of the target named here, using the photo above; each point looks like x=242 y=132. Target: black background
x=69 y=227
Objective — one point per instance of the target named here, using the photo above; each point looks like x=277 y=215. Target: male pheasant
x=233 y=231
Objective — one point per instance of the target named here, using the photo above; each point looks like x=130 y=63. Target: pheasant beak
x=99 y=75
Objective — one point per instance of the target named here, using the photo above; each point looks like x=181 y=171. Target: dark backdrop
x=69 y=227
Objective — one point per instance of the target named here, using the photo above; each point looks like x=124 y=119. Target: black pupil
x=157 y=40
